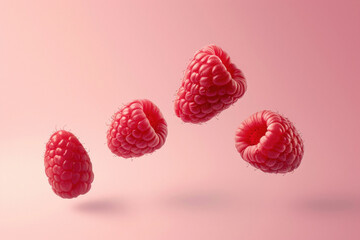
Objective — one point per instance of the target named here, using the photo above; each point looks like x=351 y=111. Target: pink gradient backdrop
x=71 y=64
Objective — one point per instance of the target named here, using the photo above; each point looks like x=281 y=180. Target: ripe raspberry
x=67 y=165
x=210 y=85
x=137 y=128
x=270 y=142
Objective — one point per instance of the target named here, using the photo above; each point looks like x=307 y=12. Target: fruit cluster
x=211 y=84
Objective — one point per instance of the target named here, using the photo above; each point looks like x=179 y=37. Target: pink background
x=71 y=64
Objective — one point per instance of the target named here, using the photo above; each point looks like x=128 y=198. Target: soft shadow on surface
x=330 y=204
x=102 y=206
x=198 y=200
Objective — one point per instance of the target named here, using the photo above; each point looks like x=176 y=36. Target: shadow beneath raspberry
x=199 y=201
x=330 y=204
x=102 y=206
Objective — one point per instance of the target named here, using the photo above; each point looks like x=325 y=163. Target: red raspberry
x=210 y=85
x=67 y=165
x=270 y=142
x=137 y=128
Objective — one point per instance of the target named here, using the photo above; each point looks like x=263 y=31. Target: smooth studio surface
x=72 y=64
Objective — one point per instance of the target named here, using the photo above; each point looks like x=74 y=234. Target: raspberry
x=137 y=128
x=270 y=142
x=210 y=85
x=67 y=165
